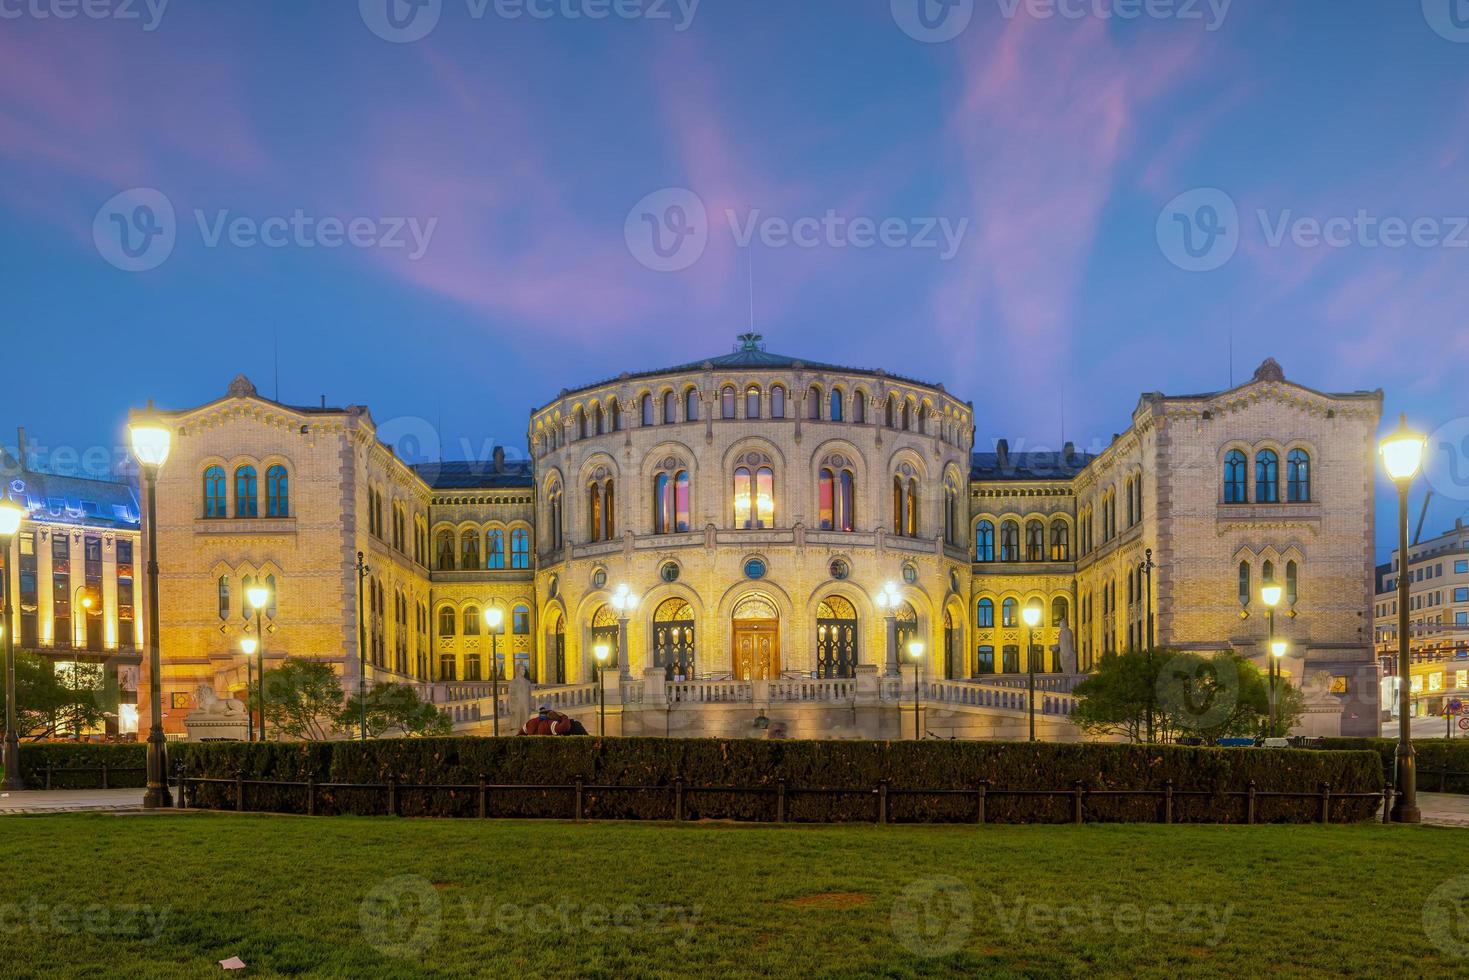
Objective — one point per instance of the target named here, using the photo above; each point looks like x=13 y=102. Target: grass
x=168 y=895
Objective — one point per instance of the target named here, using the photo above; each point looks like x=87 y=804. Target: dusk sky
x=1043 y=245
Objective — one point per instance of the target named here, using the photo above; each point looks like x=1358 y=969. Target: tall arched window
x=836 y=500
x=777 y=402
x=1007 y=613
x=601 y=504
x=1035 y=541
x=599 y=424
x=835 y=411
x=645 y=409
x=223 y=596
x=727 y=402
x=616 y=414
x=1298 y=476
x=691 y=405
x=495 y=548
x=581 y=423
x=1267 y=477
x=951 y=515
x=214 y=501
x=1244 y=583
x=890 y=413
x=277 y=492
x=671 y=502
x=984 y=614
x=912 y=514
x=1009 y=541
x=471 y=621
x=907 y=415
x=1292 y=582
x=447 y=621
x=859 y=406
x=754 y=497
x=520 y=548
x=837 y=638
x=554 y=516
x=1060 y=541
x=670 y=408
x=1058 y=611
x=246 y=504
x=984 y=541
x=752 y=402
x=469 y=550
x=813 y=403
x=1234 y=477
x=445 y=549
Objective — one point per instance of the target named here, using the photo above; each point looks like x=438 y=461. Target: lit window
x=754 y=497
x=246 y=504
x=1234 y=477
x=752 y=402
x=1267 y=477
x=214 y=503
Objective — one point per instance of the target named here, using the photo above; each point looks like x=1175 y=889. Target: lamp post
x=601 y=651
x=1032 y=616
x=1402 y=457
x=259 y=597
x=624 y=601
x=150 y=443
x=888 y=600
x=1277 y=650
x=915 y=653
x=362 y=571
x=494 y=616
x=10 y=518
x=1147 y=566
x=1270 y=595
x=248 y=646
x=83 y=600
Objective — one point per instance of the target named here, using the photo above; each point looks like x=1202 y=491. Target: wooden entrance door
x=756 y=649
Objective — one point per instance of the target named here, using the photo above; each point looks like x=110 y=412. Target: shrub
x=1436 y=756
x=539 y=765
x=117 y=756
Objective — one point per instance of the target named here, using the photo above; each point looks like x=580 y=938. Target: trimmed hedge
x=117 y=756
x=804 y=765
x=1434 y=756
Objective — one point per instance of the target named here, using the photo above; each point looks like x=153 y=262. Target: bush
x=649 y=767
x=1435 y=757
x=35 y=756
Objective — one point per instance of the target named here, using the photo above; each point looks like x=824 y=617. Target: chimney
x=20 y=447
x=1068 y=451
x=1002 y=452
x=499 y=457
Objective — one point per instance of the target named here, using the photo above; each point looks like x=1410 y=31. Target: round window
x=755 y=567
x=840 y=569
x=954 y=582
x=669 y=571
x=910 y=573
x=599 y=578
x=553 y=587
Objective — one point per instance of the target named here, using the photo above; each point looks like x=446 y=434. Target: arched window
x=471 y=621
x=835 y=411
x=469 y=550
x=671 y=502
x=520 y=621
x=912 y=507
x=890 y=413
x=223 y=597
x=670 y=408
x=1009 y=541
x=727 y=402
x=1060 y=541
x=598 y=419
x=214 y=502
x=554 y=516
x=581 y=423
x=1007 y=613
x=1244 y=583
x=984 y=541
x=754 y=497
x=752 y=402
x=922 y=414
x=984 y=615
x=836 y=638
x=278 y=492
x=1298 y=476
x=495 y=548
x=836 y=500
x=446 y=621
x=270 y=590
x=777 y=402
x=1035 y=541
x=907 y=415
x=600 y=510
x=951 y=515
x=520 y=548
x=1292 y=582
x=445 y=549
x=1058 y=611
x=616 y=414
x=691 y=405
x=1234 y=477
x=673 y=639
x=645 y=409
x=246 y=504
x=859 y=406
x=1267 y=477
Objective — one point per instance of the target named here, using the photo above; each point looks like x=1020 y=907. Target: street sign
x=1464 y=724
x=1454 y=707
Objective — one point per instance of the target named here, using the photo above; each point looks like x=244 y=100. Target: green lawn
x=168 y=895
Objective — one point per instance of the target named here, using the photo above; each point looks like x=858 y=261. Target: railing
x=104 y=769
x=710 y=692
x=1003 y=697
x=824 y=690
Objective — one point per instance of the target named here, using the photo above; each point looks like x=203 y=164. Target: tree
x=49 y=704
x=394 y=707
x=302 y=699
x=1203 y=695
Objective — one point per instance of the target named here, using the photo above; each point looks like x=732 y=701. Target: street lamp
x=494 y=616
x=10 y=518
x=83 y=599
x=1277 y=650
x=1270 y=595
x=258 y=595
x=362 y=571
x=248 y=646
x=624 y=601
x=150 y=441
x=888 y=599
x=1402 y=457
x=915 y=652
x=601 y=651
x=1032 y=616
x=1146 y=566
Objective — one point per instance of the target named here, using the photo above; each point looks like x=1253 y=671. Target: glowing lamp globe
x=1031 y=615
x=10 y=518
x=257 y=596
x=1402 y=451
x=150 y=443
x=1278 y=648
x=601 y=651
x=1270 y=595
x=248 y=645
x=915 y=649
x=494 y=616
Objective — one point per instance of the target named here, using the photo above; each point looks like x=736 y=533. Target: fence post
x=984 y=785
x=1168 y=800
x=678 y=799
x=392 y=796
x=1078 y=791
x=104 y=775
x=484 y=803
x=780 y=801
x=1250 y=804
x=239 y=790
x=311 y=792
x=578 y=798
x=882 y=801
x=1326 y=803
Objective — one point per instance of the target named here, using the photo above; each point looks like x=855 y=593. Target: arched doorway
x=604 y=631
x=556 y=649
x=673 y=639
x=953 y=648
x=907 y=623
x=836 y=638
x=755 y=625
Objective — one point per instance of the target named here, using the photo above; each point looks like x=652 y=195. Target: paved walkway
x=70 y=800
x=1444 y=809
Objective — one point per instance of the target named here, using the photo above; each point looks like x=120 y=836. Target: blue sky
x=498 y=170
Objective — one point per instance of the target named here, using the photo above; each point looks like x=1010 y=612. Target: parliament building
x=756 y=522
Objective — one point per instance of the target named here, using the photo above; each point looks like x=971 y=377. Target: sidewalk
x=70 y=800
x=1444 y=809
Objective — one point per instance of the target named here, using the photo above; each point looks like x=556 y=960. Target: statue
x=213 y=706
x=1066 y=649
x=215 y=718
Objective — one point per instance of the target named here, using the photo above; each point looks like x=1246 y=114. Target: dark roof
x=71 y=499
x=1061 y=465
x=508 y=474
